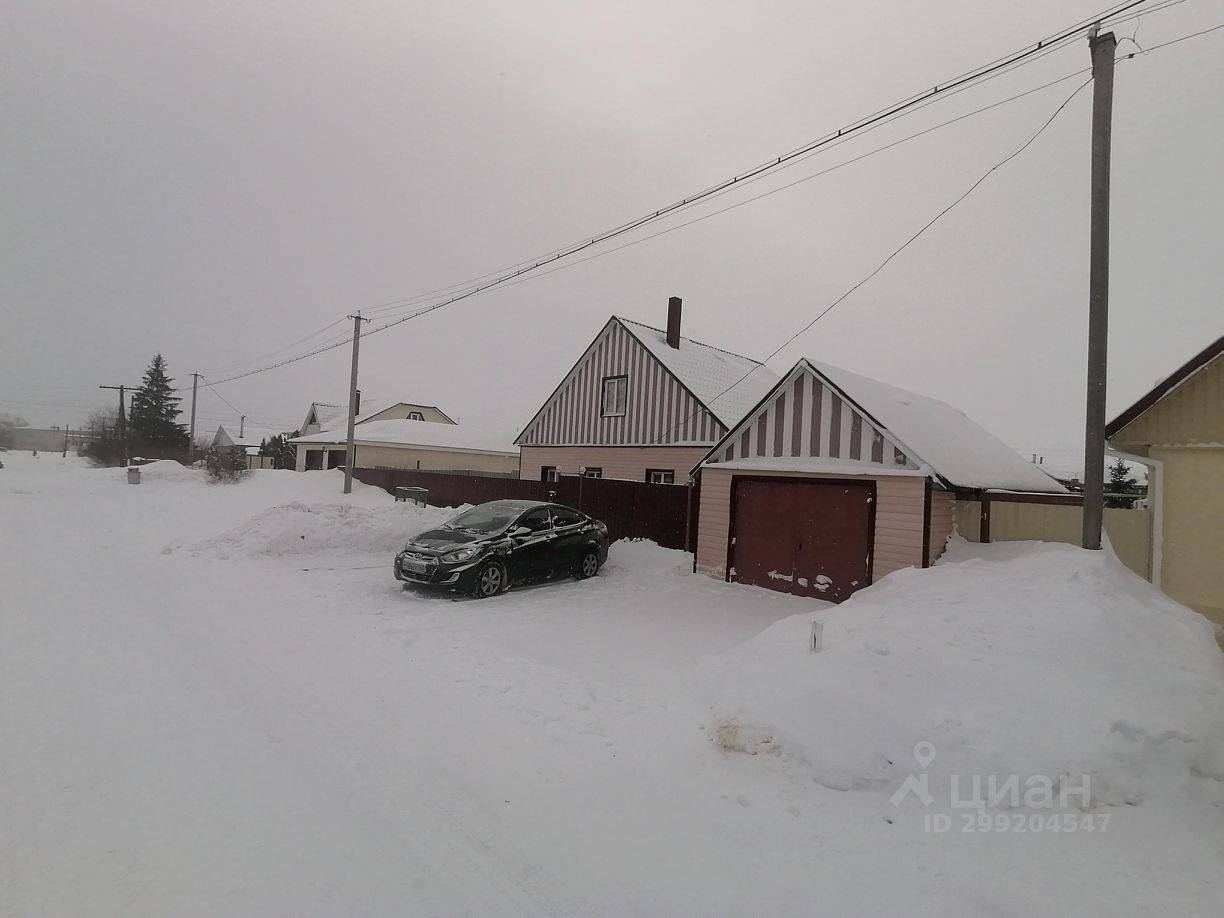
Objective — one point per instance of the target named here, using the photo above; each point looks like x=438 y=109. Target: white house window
x=415 y=416
x=615 y=396
x=661 y=476
x=591 y=472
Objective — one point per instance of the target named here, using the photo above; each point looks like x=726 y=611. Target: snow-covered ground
x=215 y=700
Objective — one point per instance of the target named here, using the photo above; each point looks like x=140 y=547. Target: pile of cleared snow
x=1031 y=659
x=167 y=470
x=300 y=529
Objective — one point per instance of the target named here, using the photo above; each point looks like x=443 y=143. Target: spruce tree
x=1120 y=482
x=152 y=416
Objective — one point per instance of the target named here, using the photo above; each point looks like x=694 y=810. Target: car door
x=569 y=537
x=531 y=552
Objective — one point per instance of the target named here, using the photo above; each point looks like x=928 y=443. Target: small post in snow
x=817 y=637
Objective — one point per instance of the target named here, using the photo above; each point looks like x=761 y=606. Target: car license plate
x=414 y=567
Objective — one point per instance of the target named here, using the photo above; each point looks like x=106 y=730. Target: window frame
x=550 y=473
x=596 y=469
x=623 y=379
x=415 y=416
x=661 y=472
x=547 y=511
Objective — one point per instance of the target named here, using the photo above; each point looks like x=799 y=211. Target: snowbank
x=301 y=529
x=1032 y=659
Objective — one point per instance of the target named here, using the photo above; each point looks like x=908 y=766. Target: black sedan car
x=493 y=546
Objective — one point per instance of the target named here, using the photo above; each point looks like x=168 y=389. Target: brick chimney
x=673 y=322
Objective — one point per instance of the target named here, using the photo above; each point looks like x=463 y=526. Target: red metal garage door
x=802 y=536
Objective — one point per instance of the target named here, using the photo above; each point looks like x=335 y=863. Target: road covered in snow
x=216 y=700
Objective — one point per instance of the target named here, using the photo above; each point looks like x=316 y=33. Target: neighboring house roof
x=324 y=414
x=1167 y=386
x=931 y=433
x=330 y=417
x=252 y=436
x=727 y=384
x=403 y=434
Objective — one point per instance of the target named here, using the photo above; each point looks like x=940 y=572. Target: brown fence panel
x=631 y=509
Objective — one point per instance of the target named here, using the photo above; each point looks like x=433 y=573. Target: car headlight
x=461 y=555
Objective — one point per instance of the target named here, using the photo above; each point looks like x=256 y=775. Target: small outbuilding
x=834 y=480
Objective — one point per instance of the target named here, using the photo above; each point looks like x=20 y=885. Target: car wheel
x=490 y=580
x=588 y=566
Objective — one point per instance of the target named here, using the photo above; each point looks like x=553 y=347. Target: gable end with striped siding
x=807 y=417
x=659 y=409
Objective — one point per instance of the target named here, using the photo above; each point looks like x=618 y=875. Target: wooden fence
x=666 y=514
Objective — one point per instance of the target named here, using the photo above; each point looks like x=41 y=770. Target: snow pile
x=300 y=529
x=1030 y=659
x=167 y=470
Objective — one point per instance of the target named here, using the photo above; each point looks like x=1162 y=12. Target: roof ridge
x=690 y=340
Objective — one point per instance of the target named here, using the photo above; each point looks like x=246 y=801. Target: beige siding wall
x=943 y=521
x=627 y=462
x=1129 y=531
x=898 y=532
x=386 y=457
x=1192 y=413
x=1193 y=565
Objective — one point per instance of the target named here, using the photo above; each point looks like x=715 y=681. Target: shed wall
x=1191 y=414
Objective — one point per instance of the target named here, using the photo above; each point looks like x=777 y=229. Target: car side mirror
x=519 y=531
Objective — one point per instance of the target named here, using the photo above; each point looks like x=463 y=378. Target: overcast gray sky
x=217 y=180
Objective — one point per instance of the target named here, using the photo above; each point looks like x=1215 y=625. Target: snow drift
x=1016 y=658
x=302 y=529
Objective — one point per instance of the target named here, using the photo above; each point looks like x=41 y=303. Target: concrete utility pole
x=121 y=425
x=1102 y=48
x=195 y=381
x=241 y=426
x=350 y=453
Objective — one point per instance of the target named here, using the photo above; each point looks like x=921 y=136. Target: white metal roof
x=957 y=448
x=708 y=371
x=405 y=434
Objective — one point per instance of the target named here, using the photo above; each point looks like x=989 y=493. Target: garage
x=808 y=537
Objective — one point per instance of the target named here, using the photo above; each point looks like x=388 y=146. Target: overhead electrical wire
x=893 y=254
x=917 y=101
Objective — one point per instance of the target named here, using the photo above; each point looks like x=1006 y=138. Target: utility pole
x=241 y=426
x=1102 y=48
x=121 y=425
x=350 y=453
x=67 y=431
x=195 y=381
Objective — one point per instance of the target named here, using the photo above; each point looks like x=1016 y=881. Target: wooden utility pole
x=121 y=425
x=195 y=381
x=1102 y=48
x=350 y=452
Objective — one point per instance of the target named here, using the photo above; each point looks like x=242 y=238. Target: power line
x=945 y=88
x=895 y=252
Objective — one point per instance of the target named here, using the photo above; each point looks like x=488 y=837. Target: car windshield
x=489 y=518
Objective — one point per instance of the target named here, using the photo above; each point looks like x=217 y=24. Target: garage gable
x=806 y=416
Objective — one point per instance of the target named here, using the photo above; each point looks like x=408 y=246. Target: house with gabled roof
x=321 y=416
x=1177 y=430
x=833 y=480
x=642 y=404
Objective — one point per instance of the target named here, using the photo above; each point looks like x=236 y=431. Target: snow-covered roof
x=326 y=415
x=420 y=435
x=952 y=444
x=334 y=417
x=706 y=371
x=252 y=435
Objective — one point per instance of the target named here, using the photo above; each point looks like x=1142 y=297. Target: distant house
x=325 y=416
x=641 y=404
x=410 y=444
x=245 y=436
x=834 y=480
x=1177 y=430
